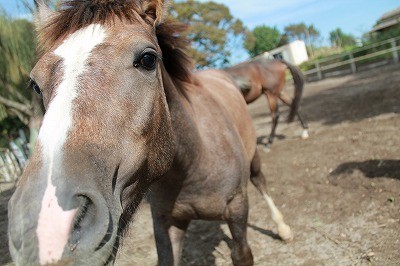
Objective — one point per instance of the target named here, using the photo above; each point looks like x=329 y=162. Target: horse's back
x=262 y=74
x=247 y=77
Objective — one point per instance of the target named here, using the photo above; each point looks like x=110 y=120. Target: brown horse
x=263 y=76
x=124 y=116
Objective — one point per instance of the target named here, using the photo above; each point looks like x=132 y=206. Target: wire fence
x=371 y=56
x=14 y=159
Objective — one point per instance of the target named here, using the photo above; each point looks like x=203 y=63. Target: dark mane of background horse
x=76 y=14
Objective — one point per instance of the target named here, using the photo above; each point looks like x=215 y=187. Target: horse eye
x=36 y=87
x=148 y=61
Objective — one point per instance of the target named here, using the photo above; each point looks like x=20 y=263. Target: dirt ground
x=339 y=190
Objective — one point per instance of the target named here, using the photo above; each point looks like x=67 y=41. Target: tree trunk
x=35 y=121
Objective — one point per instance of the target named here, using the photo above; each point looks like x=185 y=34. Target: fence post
x=18 y=152
x=4 y=173
x=352 y=63
x=319 y=73
x=394 y=51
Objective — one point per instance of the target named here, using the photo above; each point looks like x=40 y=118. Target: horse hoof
x=266 y=148
x=285 y=233
x=304 y=134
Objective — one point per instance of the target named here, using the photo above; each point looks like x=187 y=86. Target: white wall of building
x=294 y=52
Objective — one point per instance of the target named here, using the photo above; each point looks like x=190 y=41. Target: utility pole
x=338 y=39
x=309 y=42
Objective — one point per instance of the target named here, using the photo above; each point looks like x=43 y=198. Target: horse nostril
x=92 y=227
x=83 y=219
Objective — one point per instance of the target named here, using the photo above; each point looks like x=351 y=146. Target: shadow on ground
x=201 y=240
x=264 y=231
x=264 y=138
x=367 y=95
x=371 y=168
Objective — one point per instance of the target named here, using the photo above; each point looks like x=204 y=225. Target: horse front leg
x=169 y=239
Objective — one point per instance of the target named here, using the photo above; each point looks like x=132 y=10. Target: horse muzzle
x=62 y=228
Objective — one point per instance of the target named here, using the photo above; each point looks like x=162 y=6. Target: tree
x=308 y=34
x=261 y=39
x=340 y=39
x=18 y=106
x=211 y=29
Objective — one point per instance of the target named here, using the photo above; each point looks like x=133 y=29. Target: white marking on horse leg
x=54 y=223
x=266 y=148
x=283 y=229
x=304 y=134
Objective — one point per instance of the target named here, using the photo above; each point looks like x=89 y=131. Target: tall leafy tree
x=261 y=39
x=211 y=29
x=19 y=107
x=309 y=34
x=340 y=39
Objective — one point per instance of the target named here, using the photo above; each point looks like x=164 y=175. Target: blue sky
x=352 y=16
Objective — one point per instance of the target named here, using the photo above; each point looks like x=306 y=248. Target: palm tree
x=17 y=56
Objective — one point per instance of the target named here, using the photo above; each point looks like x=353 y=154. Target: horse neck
x=186 y=134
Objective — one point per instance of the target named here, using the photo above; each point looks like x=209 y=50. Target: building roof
x=387 y=20
x=389 y=14
x=385 y=24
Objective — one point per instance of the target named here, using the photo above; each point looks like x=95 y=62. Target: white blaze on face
x=54 y=224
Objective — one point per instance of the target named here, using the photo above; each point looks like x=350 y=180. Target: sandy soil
x=339 y=190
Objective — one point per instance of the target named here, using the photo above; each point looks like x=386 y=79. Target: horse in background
x=126 y=116
x=267 y=77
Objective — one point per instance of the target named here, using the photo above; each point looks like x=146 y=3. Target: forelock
x=74 y=15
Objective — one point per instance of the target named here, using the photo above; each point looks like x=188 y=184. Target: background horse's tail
x=298 y=80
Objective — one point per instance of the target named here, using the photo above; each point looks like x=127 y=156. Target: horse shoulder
x=226 y=97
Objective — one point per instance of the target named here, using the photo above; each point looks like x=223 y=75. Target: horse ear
x=42 y=13
x=156 y=10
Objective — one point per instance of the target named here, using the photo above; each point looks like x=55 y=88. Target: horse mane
x=174 y=46
x=77 y=14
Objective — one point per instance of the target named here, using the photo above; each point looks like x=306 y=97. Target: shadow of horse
x=371 y=168
x=201 y=241
x=263 y=139
x=5 y=196
x=203 y=238
x=264 y=232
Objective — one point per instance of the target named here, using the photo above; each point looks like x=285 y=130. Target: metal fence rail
x=353 y=61
x=13 y=159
